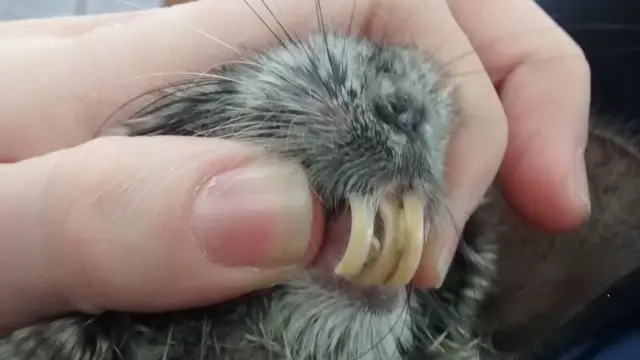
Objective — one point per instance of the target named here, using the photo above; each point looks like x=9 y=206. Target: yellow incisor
x=390 y=258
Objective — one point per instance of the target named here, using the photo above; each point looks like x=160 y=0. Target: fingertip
x=438 y=254
x=543 y=174
x=547 y=185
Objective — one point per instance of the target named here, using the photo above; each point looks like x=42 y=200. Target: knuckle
x=580 y=64
x=101 y=198
x=75 y=212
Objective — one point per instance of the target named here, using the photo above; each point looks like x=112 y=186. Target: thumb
x=148 y=224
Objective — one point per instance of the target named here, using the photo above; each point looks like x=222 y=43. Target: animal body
x=371 y=120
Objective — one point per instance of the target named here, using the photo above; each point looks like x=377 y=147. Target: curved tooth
x=360 y=237
x=412 y=239
x=374 y=251
x=385 y=263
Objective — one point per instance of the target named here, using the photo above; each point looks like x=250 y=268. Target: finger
x=543 y=79
x=93 y=66
x=62 y=26
x=479 y=140
x=148 y=224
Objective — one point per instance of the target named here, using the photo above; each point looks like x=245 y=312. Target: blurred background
x=24 y=9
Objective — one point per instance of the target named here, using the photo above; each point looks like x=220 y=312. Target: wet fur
x=297 y=106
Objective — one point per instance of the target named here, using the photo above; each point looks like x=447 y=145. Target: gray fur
x=361 y=118
x=342 y=106
x=367 y=119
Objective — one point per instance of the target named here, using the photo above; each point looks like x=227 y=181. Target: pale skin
x=110 y=224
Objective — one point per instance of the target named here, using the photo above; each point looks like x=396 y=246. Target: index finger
x=65 y=77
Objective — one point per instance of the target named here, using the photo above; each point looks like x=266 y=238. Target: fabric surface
x=607 y=329
x=621 y=348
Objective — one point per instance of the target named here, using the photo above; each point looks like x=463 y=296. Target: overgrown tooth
x=383 y=265
x=359 y=244
x=392 y=259
x=374 y=251
x=412 y=233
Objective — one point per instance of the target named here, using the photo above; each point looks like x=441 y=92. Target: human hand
x=543 y=81
x=126 y=243
x=533 y=130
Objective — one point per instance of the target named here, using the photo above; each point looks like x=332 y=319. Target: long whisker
x=503 y=69
x=278 y=21
x=351 y=17
x=200 y=32
x=494 y=43
x=165 y=353
x=265 y=23
x=197 y=74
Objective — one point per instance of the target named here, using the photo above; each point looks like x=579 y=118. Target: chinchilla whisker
x=165 y=355
x=186 y=26
x=170 y=90
x=208 y=71
x=282 y=43
x=206 y=74
x=260 y=126
x=497 y=42
x=289 y=37
x=351 y=17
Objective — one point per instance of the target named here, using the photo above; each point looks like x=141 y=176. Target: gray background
x=24 y=9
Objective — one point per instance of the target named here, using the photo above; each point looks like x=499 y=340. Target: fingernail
x=580 y=182
x=257 y=279
x=256 y=216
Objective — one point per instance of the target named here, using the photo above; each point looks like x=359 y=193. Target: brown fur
x=543 y=279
